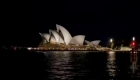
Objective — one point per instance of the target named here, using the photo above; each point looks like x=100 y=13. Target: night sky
x=97 y=19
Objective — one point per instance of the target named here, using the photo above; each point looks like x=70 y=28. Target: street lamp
x=111 y=42
x=133 y=42
x=133 y=38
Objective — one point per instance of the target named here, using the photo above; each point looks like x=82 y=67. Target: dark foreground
x=65 y=65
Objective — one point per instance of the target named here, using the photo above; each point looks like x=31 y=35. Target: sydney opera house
x=61 y=39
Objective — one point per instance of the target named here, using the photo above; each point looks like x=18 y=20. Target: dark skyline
x=21 y=21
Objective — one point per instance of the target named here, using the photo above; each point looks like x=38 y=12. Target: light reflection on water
x=60 y=66
x=87 y=65
x=111 y=64
x=134 y=65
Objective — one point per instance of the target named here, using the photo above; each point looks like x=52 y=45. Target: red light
x=133 y=43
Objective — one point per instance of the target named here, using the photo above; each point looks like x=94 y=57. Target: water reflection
x=134 y=66
x=112 y=69
x=59 y=66
x=68 y=65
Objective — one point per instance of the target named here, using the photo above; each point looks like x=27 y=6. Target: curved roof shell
x=79 y=39
x=67 y=36
x=56 y=36
x=88 y=42
x=96 y=42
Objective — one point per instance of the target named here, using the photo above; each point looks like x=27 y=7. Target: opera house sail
x=79 y=39
x=67 y=36
x=62 y=39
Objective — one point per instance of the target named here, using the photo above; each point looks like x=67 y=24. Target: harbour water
x=66 y=65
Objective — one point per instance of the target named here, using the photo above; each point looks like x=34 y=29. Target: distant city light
x=29 y=48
